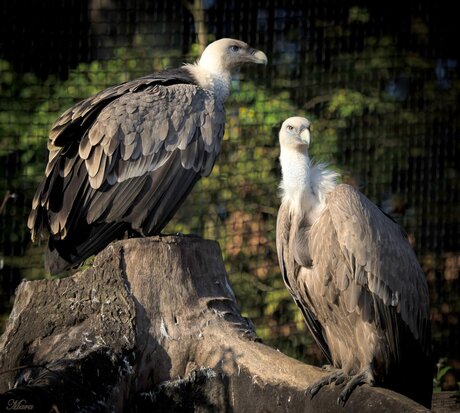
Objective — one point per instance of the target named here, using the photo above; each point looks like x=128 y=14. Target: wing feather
x=112 y=143
x=285 y=236
x=84 y=148
x=285 y=258
x=379 y=258
x=94 y=160
x=96 y=134
x=189 y=155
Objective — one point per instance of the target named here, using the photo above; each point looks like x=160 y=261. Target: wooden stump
x=154 y=325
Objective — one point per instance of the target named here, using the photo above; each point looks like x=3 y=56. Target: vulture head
x=223 y=55
x=213 y=70
x=295 y=134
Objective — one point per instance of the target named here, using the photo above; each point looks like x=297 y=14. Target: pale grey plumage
x=353 y=274
x=126 y=158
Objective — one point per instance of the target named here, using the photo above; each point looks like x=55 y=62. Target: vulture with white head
x=126 y=158
x=354 y=276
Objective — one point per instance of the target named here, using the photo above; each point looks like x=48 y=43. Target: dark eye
x=234 y=49
x=290 y=128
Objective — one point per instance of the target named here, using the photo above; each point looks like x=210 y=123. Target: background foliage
x=381 y=89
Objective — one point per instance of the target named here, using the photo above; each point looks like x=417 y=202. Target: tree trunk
x=153 y=325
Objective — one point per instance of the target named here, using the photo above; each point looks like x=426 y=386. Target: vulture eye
x=290 y=128
x=234 y=49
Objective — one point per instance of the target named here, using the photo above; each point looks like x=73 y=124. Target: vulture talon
x=364 y=377
x=337 y=376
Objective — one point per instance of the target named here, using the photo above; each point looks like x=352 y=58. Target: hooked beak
x=259 y=57
x=305 y=136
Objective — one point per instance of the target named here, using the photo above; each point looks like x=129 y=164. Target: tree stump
x=153 y=325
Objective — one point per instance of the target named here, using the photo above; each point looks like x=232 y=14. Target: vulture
x=354 y=276
x=125 y=159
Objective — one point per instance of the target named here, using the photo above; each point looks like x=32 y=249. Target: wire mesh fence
x=379 y=82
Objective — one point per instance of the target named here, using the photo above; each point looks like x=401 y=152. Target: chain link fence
x=378 y=80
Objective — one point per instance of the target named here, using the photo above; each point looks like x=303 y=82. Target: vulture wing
x=373 y=257
x=286 y=236
x=125 y=158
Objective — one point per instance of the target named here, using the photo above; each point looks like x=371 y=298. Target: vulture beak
x=305 y=136
x=259 y=57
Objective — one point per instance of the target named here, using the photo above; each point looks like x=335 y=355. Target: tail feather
x=62 y=255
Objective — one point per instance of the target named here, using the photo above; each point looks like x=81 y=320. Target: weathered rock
x=153 y=325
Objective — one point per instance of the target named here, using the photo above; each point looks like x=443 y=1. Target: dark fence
x=379 y=80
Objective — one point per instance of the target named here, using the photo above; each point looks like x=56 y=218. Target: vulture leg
x=365 y=376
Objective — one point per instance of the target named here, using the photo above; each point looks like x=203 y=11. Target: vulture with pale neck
x=354 y=276
x=126 y=158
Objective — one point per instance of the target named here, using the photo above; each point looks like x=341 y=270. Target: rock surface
x=153 y=325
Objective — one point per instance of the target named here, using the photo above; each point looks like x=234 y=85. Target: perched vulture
x=126 y=158
x=354 y=276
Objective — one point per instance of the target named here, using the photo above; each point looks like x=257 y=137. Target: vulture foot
x=337 y=377
x=365 y=376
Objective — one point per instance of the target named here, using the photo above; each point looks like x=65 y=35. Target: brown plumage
x=126 y=158
x=353 y=274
